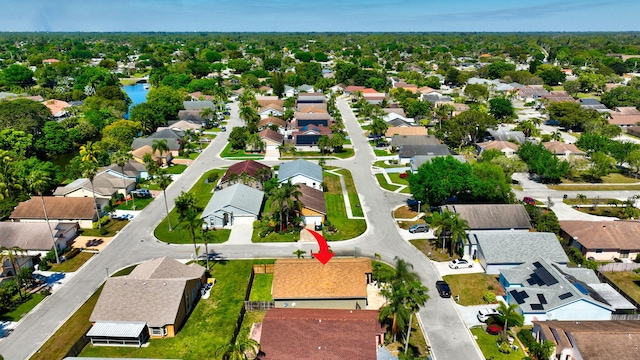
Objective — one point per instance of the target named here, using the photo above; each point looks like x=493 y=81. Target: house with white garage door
x=238 y=202
x=301 y=172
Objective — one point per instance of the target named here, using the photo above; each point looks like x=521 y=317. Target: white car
x=485 y=314
x=460 y=263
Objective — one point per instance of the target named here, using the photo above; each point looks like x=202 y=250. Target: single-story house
x=407 y=152
x=309 y=135
x=603 y=240
x=398 y=123
x=314 y=207
x=613 y=339
x=311 y=98
x=237 y=202
x=174 y=144
x=402 y=140
x=153 y=301
x=247 y=172
x=408 y=131
x=561 y=149
x=374 y=98
x=506 y=147
x=198 y=105
x=105 y=186
x=270 y=110
x=307 y=283
x=272 y=139
x=58 y=108
x=544 y=290
x=320 y=334
x=558 y=96
x=183 y=126
x=59 y=209
x=436 y=98
x=311 y=119
x=304 y=88
x=482 y=217
x=301 y=172
x=532 y=93
x=503 y=133
x=352 y=89
x=633 y=130
x=133 y=170
x=391 y=116
x=312 y=107
x=35 y=238
x=273 y=123
x=497 y=250
x=266 y=100
x=418 y=160
x=198 y=95
x=627 y=116
x=403 y=85
x=191 y=115
x=139 y=153
x=593 y=104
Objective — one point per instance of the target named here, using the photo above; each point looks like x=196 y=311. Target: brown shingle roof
x=493 y=216
x=595 y=340
x=313 y=199
x=152 y=294
x=320 y=334
x=267 y=100
x=272 y=120
x=312 y=108
x=308 y=278
x=614 y=235
x=624 y=119
x=271 y=106
x=406 y=130
x=248 y=166
x=77 y=208
x=627 y=110
x=560 y=148
x=498 y=145
x=271 y=135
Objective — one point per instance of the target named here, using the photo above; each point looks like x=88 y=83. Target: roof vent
x=320 y=320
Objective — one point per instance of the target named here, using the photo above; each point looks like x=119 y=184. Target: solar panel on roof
x=537 y=307
x=581 y=288
x=537 y=265
x=516 y=296
x=565 y=296
x=542 y=299
x=545 y=276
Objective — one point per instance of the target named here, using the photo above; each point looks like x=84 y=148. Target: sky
x=319 y=15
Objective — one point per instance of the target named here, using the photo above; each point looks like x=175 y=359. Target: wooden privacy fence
x=603 y=278
x=263 y=269
x=618 y=267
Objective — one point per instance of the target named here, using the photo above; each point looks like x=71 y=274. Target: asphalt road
x=446 y=332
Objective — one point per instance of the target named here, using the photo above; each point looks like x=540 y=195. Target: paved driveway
x=443 y=269
x=241 y=231
x=469 y=313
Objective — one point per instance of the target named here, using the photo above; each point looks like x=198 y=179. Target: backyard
x=209 y=326
x=627 y=281
x=261 y=289
x=203 y=190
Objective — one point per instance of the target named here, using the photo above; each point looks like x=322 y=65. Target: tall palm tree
x=450 y=227
x=163 y=180
x=9 y=179
x=12 y=253
x=509 y=312
x=160 y=145
x=121 y=158
x=291 y=199
x=207 y=114
x=193 y=224
x=88 y=154
x=240 y=349
x=151 y=164
x=458 y=233
x=38 y=181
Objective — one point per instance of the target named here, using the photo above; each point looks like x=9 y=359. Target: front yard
x=472 y=287
x=230 y=153
x=489 y=347
x=112 y=227
x=73 y=264
x=336 y=210
x=430 y=249
x=23 y=309
x=209 y=326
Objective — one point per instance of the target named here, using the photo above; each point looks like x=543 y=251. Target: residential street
x=445 y=329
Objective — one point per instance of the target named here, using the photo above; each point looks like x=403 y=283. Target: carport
x=112 y=333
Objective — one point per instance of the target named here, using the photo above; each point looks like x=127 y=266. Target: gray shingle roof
x=238 y=196
x=402 y=140
x=198 y=105
x=493 y=216
x=137 y=143
x=104 y=184
x=514 y=247
x=32 y=235
x=300 y=167
x=407 y=151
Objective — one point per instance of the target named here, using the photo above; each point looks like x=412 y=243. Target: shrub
x=43 y=265
x=213 y=178
x=73 y=253
x=103 y=231
x=505 y=348
x=526 y=337
x=494 y=329
x=489 y=297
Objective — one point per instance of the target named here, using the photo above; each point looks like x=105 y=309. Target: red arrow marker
x=324 y=255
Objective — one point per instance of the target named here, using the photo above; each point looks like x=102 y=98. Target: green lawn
x=430 y=247
x=610 y=187
x=383 y=164
x=609 y=211
x=261 y=289
x=406 y=190
x=472 y=287
x=289 y=236
x=395 y=178
x=190 y=156
x=140 y=204
x=384 y=184
x=336 y=212
x=176 y=169
x=489 y=347
x=628 y=281
x=113 y=226
x=22 y=310
x=228 y=152
x=354 y=199
x=346 y=153
x=209 y=326
x=589 y=201
x=73 y=264
x=250 y=317
x=178 y=235
x=381 y=152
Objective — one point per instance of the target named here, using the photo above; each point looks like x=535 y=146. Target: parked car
x=317 y=226
x=529 y=200
x=223 y=128
x=226 y=113
x=141 y=193
x=485 y=314
x=418 y=228
x=443 y=289
x=460 y=263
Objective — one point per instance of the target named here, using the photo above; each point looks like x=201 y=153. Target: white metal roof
x=117 y=329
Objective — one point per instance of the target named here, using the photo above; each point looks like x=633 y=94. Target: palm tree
x=151 y=164
x=291 y=199
x=378 y=127
x=581 y=198
x=240 y=349
x=458 y=232
x=207 y=114
x=556 y=135
x=9 y=179
x=193 y=223
x=509 y=312
x=163 y=180
x=89 y=160
x=38 y=181
x=450 y=227
x=248 y=114
x=323 y=143
x=263 y=175
x=299 y=253
x=121 y=158
x=11 y=253
x=160 y=145
x=89 y=152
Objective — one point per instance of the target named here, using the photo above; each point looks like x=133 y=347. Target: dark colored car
x=226 y=113
x=443 y=289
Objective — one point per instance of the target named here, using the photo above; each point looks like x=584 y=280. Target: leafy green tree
x=572 y=87
x=501 y=108
x=439 y=179
x=552 y=75
x=621 y=96
x=165 y=101
x=543 y=162
x=239 y=349
x=24 y=115
x=54 y=140
x=592 y=82
x=17 y=141
x=88 y=155
x=489 y=184
x=476 y=92
x=543 y=350
x=498 y=68
x=418 y=109
x=601 y=165
x=238 y=138
x=277 y=83
x=147 y=116
x=466 y=128
x=120 y=134
x=16 y=75
x=570 y=115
